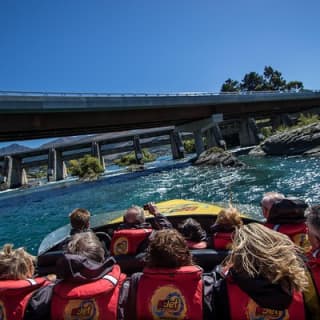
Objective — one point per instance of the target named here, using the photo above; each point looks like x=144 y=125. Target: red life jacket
x=314 y=267
x=222 y=240
x=296 y=232
x=170 y=294
x=15 y=296
x=243 y=307
x=97 y=300
x=127 y=241
x=196 y=245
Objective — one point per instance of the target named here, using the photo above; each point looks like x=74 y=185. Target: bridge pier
x=176 y=145
x=249 y=133
x=13 y=172
x=96 y=152
x=198 y=141
x=138 y=150
x=55 y=165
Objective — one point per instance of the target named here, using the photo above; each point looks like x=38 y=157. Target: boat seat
x=130 y=264
x=208 y=259
x=46 y=263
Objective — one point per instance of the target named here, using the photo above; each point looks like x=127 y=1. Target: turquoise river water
x=26 y=217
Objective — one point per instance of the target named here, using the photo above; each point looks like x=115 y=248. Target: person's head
x=258 y=251
x=80 y=219
x=191 y=230
x=313 y=223
x=15 y=264
x=268 y=200
x=230 y=218
x=86 y=244
x=168 y=249
x=134 y=215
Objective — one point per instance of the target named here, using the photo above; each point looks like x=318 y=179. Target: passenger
x=17 y=283
x=171 y=286
x=92 y=287
x=133 y=234
x=312 y=296
x=79 y=220
x=286 y=215
x=193 y=233
x=222 y=231
x=262 y=278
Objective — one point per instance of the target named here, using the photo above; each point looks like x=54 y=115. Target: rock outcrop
x=216 y=156
x=298 y=141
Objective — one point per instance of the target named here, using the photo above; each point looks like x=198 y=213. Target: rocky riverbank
x=298 y=141
x=217 y=156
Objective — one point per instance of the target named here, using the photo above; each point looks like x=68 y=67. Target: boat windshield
x=63 y=232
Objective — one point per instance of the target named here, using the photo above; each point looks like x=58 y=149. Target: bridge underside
x=20 y=124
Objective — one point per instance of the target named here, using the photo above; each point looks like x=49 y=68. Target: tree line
x=270 y=80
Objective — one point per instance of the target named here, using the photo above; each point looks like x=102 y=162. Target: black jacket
x=76 y=269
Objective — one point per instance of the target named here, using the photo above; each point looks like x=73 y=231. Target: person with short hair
x=171 y=286
x=263 y=277
x=132 y=235
x=17 y=283
x=193 y=233
x=79 y=220
x=286 y=215
x=222 y=231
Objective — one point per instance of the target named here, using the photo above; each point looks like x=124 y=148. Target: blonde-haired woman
x=16 y=282
x=262 y=278
x=222 y=231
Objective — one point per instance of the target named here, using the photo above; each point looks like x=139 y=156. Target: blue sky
x=154 y=46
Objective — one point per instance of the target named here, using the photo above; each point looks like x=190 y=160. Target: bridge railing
x=170 y=94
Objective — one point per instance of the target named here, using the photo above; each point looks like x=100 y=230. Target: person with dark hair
x=222 y=230
x=79 y=220
x=17 y=282
x=286 y=215
x=171 y=286
x=312 y=296
x=193 y=233
x=90 y=286
x=262 y=278
x=133 y=234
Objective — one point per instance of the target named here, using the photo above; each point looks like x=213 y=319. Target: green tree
x=273 y=79
x=230 y=86
x=87 y=167
x=252 y=81
x=298 y=85
x=130 y=158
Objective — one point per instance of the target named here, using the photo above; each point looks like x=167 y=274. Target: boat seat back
x=208 y=259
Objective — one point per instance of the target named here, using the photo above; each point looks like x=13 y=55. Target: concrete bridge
x=39 y=115
x=55 y=156
x=213 y=116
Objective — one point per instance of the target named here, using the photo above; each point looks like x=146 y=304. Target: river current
x=28 y=216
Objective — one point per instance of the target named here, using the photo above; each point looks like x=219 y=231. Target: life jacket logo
x=81 y=310
x=2 y=311
x=120 y=246
x=301 y=239
x=255 y=312
x=167 y=302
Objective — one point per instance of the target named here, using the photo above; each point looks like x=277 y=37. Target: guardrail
x=177 y=94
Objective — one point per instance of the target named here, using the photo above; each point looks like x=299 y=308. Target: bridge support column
x=55 y=165
x=13 y=172
x=96 y=152
x=176 y=145
x=249 y=133
x=211 y=139
x=198 y=141
x=138 y=150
